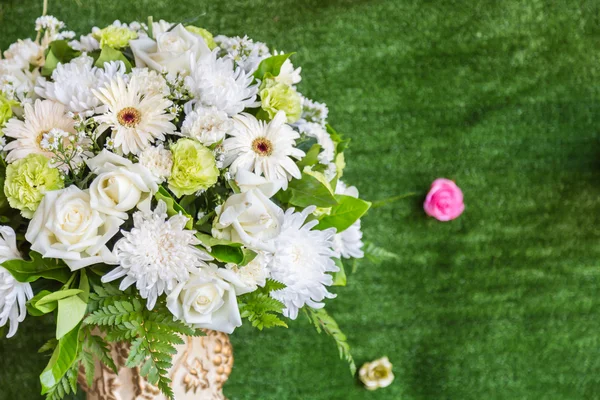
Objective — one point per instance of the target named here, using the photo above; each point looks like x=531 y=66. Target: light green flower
x=281 y=97
x=3 y=200
x=194 y=168
x=115 y=36
x=206 y=35
x=27 y=180
x=6 y=106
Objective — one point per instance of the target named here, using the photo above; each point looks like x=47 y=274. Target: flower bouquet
x=157 y=181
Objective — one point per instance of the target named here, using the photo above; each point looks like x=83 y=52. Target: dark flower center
x=262 y=146
x=129 y=117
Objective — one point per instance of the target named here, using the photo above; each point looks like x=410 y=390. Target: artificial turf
x=500 y=96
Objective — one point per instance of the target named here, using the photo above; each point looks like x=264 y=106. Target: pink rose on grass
x=444 y=201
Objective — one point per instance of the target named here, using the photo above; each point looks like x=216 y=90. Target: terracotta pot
x=200 y=368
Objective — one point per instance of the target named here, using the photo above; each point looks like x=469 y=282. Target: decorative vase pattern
x=200 y=368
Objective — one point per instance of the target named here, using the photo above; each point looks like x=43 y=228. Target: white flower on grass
x=157 y=254
x=72 y=85
x=206 y=125
x=150 y=82
x=301 y=261
x=348 y=244
x=13 y=294
x=263 y=148
x=158 y=160
x=40 y=119
x=206 y=301
x=216 y=82
x=136 y=120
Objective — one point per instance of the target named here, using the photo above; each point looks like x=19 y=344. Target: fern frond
x=323 y=321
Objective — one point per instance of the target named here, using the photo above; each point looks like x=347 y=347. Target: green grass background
x=502 y=97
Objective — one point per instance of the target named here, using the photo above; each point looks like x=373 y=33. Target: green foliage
x=38 y=267
x=339 y=278
x=173 y=208
x=153 y=333
x=378 y=255
x=348 y=210
x=66 y=385
x=225 y=250
x=310 y=191
x=311 y=158
x=62 y=360
x=59 y=52
x=260 y=308
x=324 y=322
x=109 y=54
x=341 y=144
x=271 y=65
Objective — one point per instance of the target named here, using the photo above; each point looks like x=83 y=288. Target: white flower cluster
x=149 y=148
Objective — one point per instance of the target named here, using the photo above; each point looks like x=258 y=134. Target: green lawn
x=502 y=97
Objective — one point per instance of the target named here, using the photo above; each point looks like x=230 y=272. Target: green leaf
x=59 y=51
x=343 y=215
x=231 y=254
x=59 y=295
x=38 y=267
x=210 y=241
x=311 y=158
x=377 y=255
x=109 y=54
x=84 y=285
x=341 y=144
x=339 y=278
x=324 y=322
x=61 y=361
x=271 y=65
x=71 y=311
x=35 y=310
x=310 y=191
x=173 y=208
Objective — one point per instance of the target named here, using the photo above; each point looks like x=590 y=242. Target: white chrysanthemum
x=348 y=244
x=301 y=261
x=244 y=51
x=40 y=119
x=216 y=82
x=157 y=254
x=206 y=125
x=323 y=137
x=136 y=120
x=263 y=148
x=72 y=85
x=13 y=294
x=158 y=160
x=150 y=82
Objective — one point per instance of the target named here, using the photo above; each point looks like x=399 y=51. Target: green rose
x=206 y=35
x=194 y=168
x=115 y=36
x=6 y=106
x=27 y=180
x=281 y=97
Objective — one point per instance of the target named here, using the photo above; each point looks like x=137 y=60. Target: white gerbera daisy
x=157 y=254
x=216 y=82
x=263 y=148
x=41 y=118
x=348 y=244
x=302 y=260
x=13 y=294
x=136 y=119
x=206 y=125
x=72 y=85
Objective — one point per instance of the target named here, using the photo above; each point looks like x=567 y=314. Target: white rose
x=249 y=218
x=65 y=226
x=247 y=180
x=376 y=374
x=120 y=185
x=170 y=52
x=206 y=301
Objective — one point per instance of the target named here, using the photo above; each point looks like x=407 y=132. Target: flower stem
x=381 y=203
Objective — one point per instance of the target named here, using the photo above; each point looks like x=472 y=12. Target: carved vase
x=200 y=368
